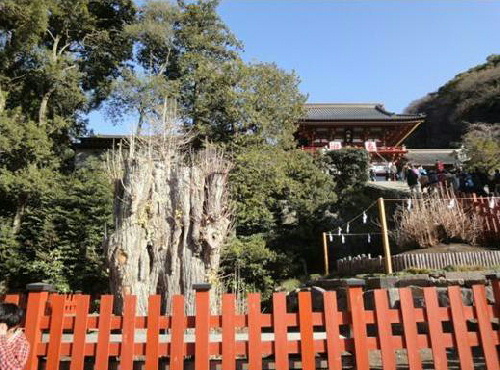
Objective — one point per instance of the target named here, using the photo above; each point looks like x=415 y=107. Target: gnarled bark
x=171 y=219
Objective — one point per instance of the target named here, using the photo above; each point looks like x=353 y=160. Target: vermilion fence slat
x=56 y=330
x=254 y=332
x=201 y=359
x=306 y=331
x=178 y=328
x=332 y=331
x=35 y=310
x=128 y=333
x=460 y=328
x=485 y=328
x=153 y=331
x=435 y=328
x=496 y=293
x=80 y=333
x=280 y=331
x=12 y=298
x=410 y=329
x=70 y=313
x=357 y=309
x=384 y=329
x=103 y=338
x=228 y=334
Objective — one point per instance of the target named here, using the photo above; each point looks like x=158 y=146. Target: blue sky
x=389 y=52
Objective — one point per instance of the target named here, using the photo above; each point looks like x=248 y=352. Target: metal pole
x=385 y=236
x=325 y=254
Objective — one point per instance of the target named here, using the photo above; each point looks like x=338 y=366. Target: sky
x=389 y=52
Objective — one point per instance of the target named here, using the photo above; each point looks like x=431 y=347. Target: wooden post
x=202 y=326
x=385 y=236
x=38 y=294
x=325 y=254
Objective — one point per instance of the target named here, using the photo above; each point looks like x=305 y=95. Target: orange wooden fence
x=487 y=208
x=61 y=327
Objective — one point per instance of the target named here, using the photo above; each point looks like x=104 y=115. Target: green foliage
x=349 y=169
x=348 y=166
x=274 y=187
x=251 y=266
x=57 y=60
x=284 y=196
x=58 y=57
x=61 y=234
x=471 y=97
x=465 y=268
x=270 y=104
x=482 y=145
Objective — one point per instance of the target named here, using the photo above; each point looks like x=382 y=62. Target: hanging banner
x=371 y=146
x=335 y=145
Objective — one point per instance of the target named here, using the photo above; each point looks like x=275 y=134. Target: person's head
x=11 y=315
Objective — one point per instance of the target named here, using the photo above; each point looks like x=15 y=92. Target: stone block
x=414 y=280
x=382 y=282
x=465 y=278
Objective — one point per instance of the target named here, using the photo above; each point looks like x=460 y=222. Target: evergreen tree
x=57 y=61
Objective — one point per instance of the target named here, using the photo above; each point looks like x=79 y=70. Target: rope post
x=385 y=236
x=325 y=254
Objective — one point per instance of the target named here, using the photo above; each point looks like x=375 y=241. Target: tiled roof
x=340 y=112
x=428 y=157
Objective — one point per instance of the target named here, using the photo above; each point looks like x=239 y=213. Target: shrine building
x=330 y=126
x=370 y=126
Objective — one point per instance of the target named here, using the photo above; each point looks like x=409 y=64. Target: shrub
x=436 y=219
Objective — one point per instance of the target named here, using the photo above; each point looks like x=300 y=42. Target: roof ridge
x=371 y=105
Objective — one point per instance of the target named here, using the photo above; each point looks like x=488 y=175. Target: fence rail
x=401 y=262
x=61 y=327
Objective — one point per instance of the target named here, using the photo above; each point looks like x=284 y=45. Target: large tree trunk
x=171 y=219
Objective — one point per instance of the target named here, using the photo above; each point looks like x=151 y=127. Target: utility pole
x=325 y=254
x=385 y=236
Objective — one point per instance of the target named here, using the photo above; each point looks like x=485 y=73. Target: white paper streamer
x=492 y=203
x=451 y=204
x=365 y=217
x=343 y=239
x=408 y=206
x=330 y=236
x=347 y=228
x=369 y=238
x=340 y=231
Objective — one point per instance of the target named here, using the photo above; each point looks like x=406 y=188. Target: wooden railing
x=347 y=324
x=483 y=207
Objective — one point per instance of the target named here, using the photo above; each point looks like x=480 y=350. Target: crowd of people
x=421 y=180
